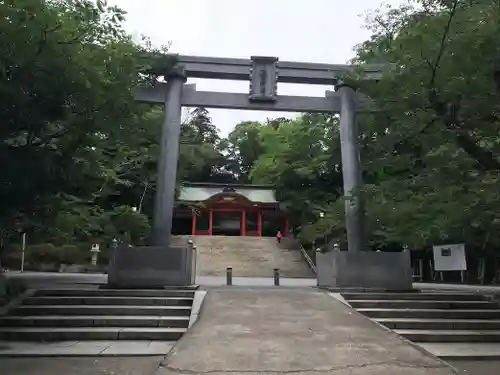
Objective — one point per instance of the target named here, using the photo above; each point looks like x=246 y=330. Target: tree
x=72 y=140
x=201 y=152
x=301 y=158
x=433 y=159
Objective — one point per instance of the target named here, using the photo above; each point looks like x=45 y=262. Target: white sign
x=450 y=258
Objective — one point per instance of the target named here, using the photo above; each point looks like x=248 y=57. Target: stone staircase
x=99 y=314
x=248 y=256
x=442 y=322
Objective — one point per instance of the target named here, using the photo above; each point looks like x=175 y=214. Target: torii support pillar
x=358 y=268
x=159 y=264
x=351 y=168
x=167 y=163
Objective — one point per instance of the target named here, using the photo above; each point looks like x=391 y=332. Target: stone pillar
x=351 y=168
x=167 y=163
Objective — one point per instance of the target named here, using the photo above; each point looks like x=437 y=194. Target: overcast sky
x=293 y=30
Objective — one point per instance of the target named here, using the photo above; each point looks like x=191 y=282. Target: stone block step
x=440 y=324
x=425 y=296
x=109 y=300
x=431 y=313
x=423 y=304
x=101 y=310
x=95 y=321
x=467 y=351
x=449 y=336
x=114 y=293
x=78 y=334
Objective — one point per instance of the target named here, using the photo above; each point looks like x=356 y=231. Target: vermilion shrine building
x=228 y=210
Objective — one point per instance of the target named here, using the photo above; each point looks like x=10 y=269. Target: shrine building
x=213 y=209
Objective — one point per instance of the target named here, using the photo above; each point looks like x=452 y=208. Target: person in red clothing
x=278 y=236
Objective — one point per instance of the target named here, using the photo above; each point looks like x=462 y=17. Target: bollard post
x=276 y=272
x=229 y=276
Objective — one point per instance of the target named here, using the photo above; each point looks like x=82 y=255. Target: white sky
x=292 y=30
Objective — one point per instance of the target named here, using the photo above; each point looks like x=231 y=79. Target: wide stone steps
x=425 y=296
x=431 y=313
x=422 y=304
x=99 y=314
x=440 y=321
x=89 y=333
x=420 y=335
x=95 y=321
x=114 y=293
x=248 y=257
x=110 y=300
x=440 y=324
x=102 y=310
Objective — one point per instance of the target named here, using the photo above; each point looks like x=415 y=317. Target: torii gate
x=264 y=73
x=160 y=264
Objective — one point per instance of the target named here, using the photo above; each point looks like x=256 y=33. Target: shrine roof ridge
x=222 y=185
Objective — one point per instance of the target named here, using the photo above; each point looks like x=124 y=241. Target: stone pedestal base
x=151 y=267
x=365 y=270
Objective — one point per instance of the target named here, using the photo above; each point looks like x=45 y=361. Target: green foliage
x=78 y=152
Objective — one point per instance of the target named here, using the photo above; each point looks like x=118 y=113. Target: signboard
x=450 y=258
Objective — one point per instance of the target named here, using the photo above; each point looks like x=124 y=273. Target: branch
x=484 y=158
x=442 y=46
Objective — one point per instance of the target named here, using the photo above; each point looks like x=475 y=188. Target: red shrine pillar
x=285 y=227
x=259 y=223
x=193 y=224
x=210 y=221
x=243 y=231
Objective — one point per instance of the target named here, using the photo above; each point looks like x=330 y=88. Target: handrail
x=307 y=258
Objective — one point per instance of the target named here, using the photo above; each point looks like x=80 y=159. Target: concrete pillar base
x=365 y=269
x=150 y=267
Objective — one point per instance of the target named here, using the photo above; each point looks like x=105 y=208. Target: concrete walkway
x=301 y=331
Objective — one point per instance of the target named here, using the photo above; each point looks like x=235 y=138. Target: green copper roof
x=191 y=192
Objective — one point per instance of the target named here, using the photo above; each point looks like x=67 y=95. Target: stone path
x=301 y=331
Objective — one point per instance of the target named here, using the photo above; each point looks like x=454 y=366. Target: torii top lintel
x=289 y=72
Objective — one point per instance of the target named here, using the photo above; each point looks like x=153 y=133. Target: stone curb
x=199 y=296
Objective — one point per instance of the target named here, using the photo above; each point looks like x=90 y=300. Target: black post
x=276 y=277
x=229 y=276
